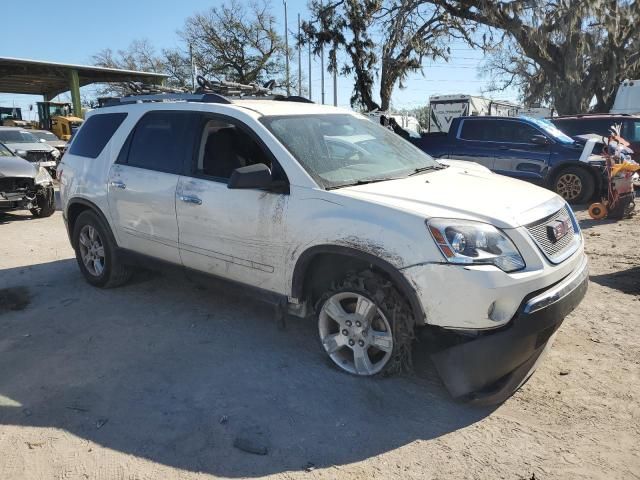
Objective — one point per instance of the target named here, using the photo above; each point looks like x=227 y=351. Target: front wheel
x=574 y=184
x=366 y=326
x=45 y=204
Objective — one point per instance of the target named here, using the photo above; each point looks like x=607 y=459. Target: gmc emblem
x=558 y=229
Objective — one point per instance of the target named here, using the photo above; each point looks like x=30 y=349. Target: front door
x=232 y=233
x=142 y=184
x=475 y=142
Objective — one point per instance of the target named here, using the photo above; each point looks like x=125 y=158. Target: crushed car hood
x=16 y=167
x=464 y=190
x=29 y=147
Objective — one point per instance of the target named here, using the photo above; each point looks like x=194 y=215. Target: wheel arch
x=558 y=169
x=75 y=207
x=345 y=257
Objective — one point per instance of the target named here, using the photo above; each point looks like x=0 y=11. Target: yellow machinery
x=57 y=118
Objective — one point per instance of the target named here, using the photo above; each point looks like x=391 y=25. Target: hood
x=29 y=147
x=464 y=190
x=17 y=167
x=57 y=143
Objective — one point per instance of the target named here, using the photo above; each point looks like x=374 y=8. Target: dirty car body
x=23 y=186
x=310 y=198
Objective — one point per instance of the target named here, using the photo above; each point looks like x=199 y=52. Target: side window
x=224 y=146
x=478 y=130
x=162 y=141
x=514 y=132
x=95 y=133
x=631 y=130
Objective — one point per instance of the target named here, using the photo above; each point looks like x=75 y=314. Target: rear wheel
x=96 y=253
x=366 y=326
x=574 y=184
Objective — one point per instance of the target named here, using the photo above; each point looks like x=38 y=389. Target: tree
x=385 y=39
x=563 y=51
x=236 y=42
x=140 y=55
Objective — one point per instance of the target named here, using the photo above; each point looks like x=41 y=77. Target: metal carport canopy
x=34 y=77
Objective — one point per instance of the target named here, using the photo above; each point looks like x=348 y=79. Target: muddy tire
x=366 y=326
x=45 y=203
x=96 y=252
x=574 y=184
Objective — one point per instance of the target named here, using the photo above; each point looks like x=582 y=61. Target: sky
x=42 y=31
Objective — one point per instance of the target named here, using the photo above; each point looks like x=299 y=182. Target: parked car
x=600 y=124
x=521 y=147
x=24 y=144
x=329 y=215
x=49 y=138
x=24 y=186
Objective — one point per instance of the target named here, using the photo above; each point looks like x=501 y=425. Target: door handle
x=118 y=185
x=190 y=199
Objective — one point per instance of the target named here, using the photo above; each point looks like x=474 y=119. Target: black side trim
x=299 y=273
x=152 y=263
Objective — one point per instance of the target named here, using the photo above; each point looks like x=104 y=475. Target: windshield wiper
x=439 y=166
x=363 y=182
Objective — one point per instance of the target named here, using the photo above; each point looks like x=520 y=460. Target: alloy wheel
x=355 y=333
x=91 y=250
x=569 y=186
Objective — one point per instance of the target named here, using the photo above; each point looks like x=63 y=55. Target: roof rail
x=167 y=97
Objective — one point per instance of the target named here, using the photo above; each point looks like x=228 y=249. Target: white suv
x=329 y=214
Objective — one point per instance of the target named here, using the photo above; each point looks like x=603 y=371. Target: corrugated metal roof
x=35 y=77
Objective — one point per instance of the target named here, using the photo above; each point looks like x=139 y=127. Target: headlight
x=21 y=153
x=474 y=243
x=43 y=176
x=55 y=153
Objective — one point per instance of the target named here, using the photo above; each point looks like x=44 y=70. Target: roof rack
x=207 y=92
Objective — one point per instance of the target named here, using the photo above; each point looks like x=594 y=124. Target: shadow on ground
x=167 y=370
x=626 y=281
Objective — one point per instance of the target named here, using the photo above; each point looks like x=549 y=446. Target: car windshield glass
x=17 y=136
x=343 y=149
x=551 y=130
x=45 y=135
x=5 y=152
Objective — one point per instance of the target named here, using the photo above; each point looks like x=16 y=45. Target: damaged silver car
x=25 y=185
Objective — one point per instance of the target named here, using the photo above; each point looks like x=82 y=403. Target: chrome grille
x=557 y=251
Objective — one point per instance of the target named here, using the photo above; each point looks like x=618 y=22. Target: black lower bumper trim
x=489 y=368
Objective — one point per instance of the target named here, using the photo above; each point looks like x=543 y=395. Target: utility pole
x=309 y=40
x=321 y=62
x=299 y=60
x=335 y=84
x=193 y=69
x=286 y=46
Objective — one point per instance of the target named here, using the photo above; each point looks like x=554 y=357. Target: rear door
x=475 y=142
x=142 y=183
x=517 y=156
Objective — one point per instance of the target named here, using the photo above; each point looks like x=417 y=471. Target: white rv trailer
x=444 y=108
x=627 y=98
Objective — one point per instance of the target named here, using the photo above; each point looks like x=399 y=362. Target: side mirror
x=252 y=176
x=540 y=140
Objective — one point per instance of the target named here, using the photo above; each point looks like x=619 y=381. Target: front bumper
x=490 y=367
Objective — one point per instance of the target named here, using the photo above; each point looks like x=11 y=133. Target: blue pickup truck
x=520 y=147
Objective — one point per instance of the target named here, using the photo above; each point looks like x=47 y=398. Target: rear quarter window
x=95 y=133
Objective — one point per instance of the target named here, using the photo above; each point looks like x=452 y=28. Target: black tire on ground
x=391 y=303
x=45 y=203
x=574 y=184
x=114 y=273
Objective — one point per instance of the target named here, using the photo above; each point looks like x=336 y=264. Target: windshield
x=17 y=136
x=342 y=149
x=48 y=136
x=551 y=130
x=5 y=152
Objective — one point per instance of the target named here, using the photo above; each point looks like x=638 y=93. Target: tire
x=378 y=339
x=574 y=184
x=94 y=244
x=45 y=203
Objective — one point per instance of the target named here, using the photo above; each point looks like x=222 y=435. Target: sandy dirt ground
x=158 y=379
